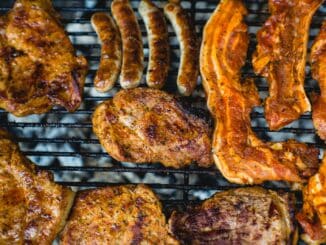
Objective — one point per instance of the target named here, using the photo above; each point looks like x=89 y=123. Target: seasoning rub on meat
x=117 y=215
x=238 y=153
x=145 y=125
x=38 y=65
x=33 y=209
x=281 y=57
x=240 y=216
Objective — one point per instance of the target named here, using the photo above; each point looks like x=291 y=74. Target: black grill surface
x=63 y=142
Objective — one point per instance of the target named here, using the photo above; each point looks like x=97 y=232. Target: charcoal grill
x=63 y=142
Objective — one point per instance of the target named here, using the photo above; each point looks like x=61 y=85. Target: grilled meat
x=148 y=125
x=132 y=44
x=38 y=66
x=240 y=216
x=117 y=215
x=318 y=65
x=158 y=40
x=189 y=47
x=238 y=153
x=313 y=214
x=281 y=58
x=111 y=53
x=33 y=209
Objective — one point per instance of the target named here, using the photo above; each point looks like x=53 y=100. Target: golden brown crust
x=132 y=44
x=117 y=215
x=318 y=67
x=240 y=216
x=189 y=47
x=111 y=53
x=238 y=153
x=38 y=66
x=158 y=39
x=313 y=214
x=281 y=58
x=33 y=209
x=148 y=125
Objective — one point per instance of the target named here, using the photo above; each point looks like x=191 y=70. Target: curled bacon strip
x=238 y=153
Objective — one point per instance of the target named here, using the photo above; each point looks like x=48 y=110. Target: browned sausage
x=158 y=41
x=111 y=56
x=132 y=45
x=186 y=33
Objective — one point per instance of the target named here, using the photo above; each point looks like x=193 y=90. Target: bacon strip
x=281 y=58
x=238 y=153
x=312 y=217
x=318 y=65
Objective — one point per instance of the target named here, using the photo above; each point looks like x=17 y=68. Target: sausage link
x=132 y=45
x=158 y=41
x=111 y=57
x=189 y=46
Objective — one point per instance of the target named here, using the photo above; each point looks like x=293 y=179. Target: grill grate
x=63 y=142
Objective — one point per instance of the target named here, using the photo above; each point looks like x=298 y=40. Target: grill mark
x=137 y=230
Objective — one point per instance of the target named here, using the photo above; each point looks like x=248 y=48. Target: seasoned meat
x=117 y=215
x=312 y=217
x=318 y=65
x=281 y=58
x=132 y=44
x=111 y=51
x=238 y=153
x=158 y=41
x=33 y=209
x=148 y=125
x=38 y=65
x=241 y=216
x=189 y=47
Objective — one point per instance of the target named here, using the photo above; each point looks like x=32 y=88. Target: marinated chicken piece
x=318 y=65
x=33 y=209
x=117 y=215
x=111 y=53
x=312 y=217
x=132 y=44
x=241 y=216
x=189 y=46
x=281 y=58
x=238 y=153
x=158 y=40
x=144 y=125
x=38 y=65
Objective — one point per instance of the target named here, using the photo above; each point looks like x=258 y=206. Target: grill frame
x=79 y=14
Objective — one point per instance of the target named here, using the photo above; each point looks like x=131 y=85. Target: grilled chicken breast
x=238 y=153
x=132 y=44
x=111 y=51
x=312 y=217
x=33 y=209
x=240 y=216
x=38 y=65
x=117 y=215
x=281 y=58
x=189 y=46
x=158 y=41
x=318 y=65
x=147 y=125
